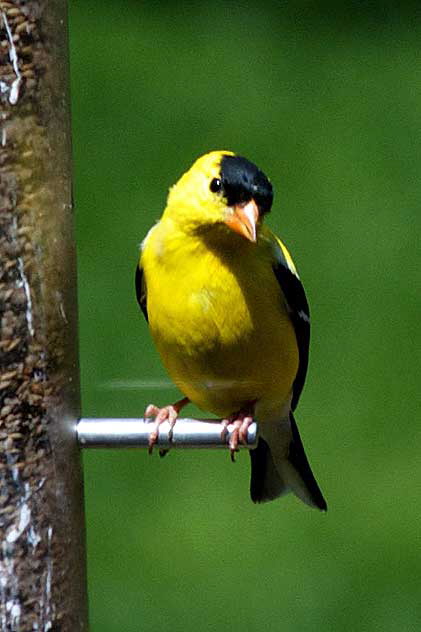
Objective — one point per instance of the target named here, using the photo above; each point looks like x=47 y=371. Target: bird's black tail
x=277 y=469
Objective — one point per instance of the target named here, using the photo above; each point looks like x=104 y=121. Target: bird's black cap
x=243 y=181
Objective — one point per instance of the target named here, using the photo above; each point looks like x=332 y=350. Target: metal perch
x=134 y=433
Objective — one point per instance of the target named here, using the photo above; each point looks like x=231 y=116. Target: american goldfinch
x=229 y=317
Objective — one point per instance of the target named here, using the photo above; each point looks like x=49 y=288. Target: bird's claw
x=241 y=422
x=166 y=413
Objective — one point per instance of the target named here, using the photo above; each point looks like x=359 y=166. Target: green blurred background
x=326 y=99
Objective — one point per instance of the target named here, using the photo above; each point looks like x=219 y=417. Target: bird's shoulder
x=278 y=252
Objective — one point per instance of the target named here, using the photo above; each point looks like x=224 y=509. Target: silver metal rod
x=134 y=433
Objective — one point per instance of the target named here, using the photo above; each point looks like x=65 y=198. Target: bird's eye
x=215 y=185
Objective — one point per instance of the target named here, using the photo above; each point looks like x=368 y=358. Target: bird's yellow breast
x=218 y=318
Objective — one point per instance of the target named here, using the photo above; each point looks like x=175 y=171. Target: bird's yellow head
x=224 y=189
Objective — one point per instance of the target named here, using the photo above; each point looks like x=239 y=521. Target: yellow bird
x=229 y=317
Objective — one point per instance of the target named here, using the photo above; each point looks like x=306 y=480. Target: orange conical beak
x=243 y=219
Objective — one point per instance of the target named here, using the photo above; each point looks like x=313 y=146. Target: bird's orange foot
x=241 y=422
x=166 y=413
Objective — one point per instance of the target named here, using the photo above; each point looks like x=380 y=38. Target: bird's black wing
x=141 y=290
x=299 y=312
